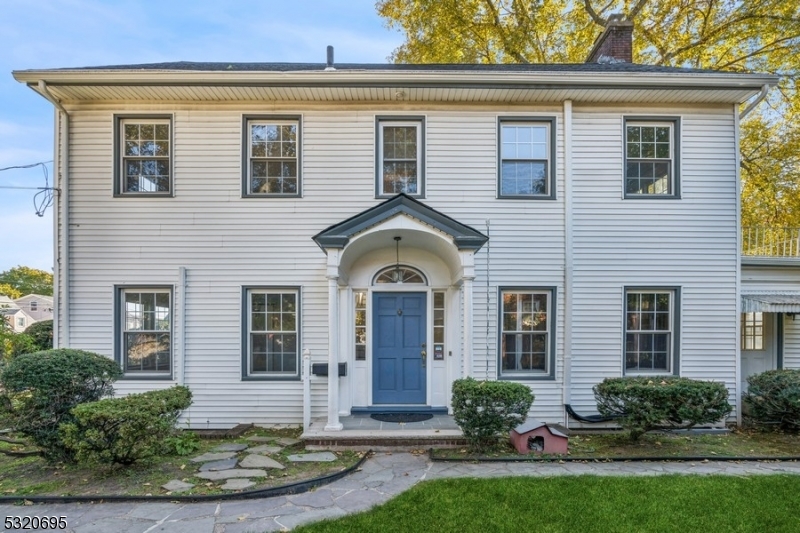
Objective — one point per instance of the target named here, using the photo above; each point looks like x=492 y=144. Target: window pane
x=648 y=134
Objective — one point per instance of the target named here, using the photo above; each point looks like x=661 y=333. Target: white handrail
x=770 y=242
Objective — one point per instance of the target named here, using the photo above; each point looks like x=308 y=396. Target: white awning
x=783 y=302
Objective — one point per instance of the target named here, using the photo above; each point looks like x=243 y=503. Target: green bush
x=488 y=410
x=773 y=398
x=646 y=403
x=41 y=333
x=125 y=430
x=41 y=388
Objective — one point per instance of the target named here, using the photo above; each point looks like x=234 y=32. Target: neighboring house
x=548 y=224
x=36 y=306
x=16 y=317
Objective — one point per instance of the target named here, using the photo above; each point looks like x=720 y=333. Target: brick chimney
x=615 y=43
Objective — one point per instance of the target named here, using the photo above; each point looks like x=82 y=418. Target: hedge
x=773 y=398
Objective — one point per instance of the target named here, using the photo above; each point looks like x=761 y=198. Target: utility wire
x=42 y=199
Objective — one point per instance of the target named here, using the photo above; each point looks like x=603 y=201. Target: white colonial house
x=407 y=225
x=37 y=306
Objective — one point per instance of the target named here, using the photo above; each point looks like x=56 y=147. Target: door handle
x=424 y=355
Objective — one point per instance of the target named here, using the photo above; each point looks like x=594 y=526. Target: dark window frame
x=380 y=120
x=675 y=313
x=552 y=124
x=675 y=122
x=119 y=332
x=118 y=188
x=246 y=120
x=245 y=332
x=550 y=372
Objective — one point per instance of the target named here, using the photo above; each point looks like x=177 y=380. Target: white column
x=466 y=288
x=333 y=354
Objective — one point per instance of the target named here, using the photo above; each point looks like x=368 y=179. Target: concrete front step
x=381 y=440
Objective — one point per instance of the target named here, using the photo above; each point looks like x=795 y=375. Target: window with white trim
x=525 y=158
x=400 y=167
x=273 y=157
x=525 y=337
x=145 y=152
x=752 y=331
x=146 y=333
x=273 y=325
x=650 y=317
x=651 y=157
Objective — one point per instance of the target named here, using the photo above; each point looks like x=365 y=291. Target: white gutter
x=60 y=328
x=568 y=258
x=754 y=103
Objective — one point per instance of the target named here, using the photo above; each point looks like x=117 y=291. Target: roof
x=184 y=81
x=772 y=302
x=531 y=425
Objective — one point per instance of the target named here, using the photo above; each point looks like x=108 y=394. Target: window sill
x=527 y=377
x=526 y=197
x=269 y=378
x=271 y=196
x=651 y=197
x=144 y=195
x=147 y=377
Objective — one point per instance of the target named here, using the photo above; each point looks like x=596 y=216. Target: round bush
x=773 y=398
x=646 y=403
x=40 y=389
x=488 y=410
x=42 y=335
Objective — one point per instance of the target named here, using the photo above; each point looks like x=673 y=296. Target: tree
x=8 y=290
x=728 y=35
x=28 y=280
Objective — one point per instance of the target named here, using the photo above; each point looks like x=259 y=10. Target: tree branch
x=593 y=14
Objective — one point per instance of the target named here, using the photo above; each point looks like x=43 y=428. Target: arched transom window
x=400 y=274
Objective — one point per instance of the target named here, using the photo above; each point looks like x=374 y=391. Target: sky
x=37 y=34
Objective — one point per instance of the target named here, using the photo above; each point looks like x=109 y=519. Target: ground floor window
x=526 y=332
x=650 y=326
x=360 y=304
x=145 y=343
x=273 y=323
x=752 y=331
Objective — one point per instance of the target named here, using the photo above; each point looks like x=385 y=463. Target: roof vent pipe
x=329 y=66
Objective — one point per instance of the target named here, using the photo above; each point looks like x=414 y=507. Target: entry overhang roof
x=338 y=235
x=774 y=302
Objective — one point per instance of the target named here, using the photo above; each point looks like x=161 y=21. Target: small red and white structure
x=537 y=437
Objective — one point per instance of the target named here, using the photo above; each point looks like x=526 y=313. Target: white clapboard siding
x=226 y=242
x=791 y=342
x=688 y=243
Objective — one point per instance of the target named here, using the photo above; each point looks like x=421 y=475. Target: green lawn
x=707 y=504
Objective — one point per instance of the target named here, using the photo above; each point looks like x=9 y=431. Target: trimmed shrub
x=488 y=410
x=646 y=403
x=40 y=389
x=41 y=333
x=773 y=398
x=125 y=430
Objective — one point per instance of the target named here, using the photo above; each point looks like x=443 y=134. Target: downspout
x=568 y=259
x=182 y=345
x=738 y=283
x=754 y=103
x=61 y=327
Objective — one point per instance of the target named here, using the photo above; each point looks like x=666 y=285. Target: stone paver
x=264 y=448
x=230 y=448
x=238 y=484
x=260 y=461
x=319 y=457
x=176 y=485
x=383 y=476
x=234 y=472
x=206 y=457
x=286 y=441
x=261 y=439
x=224 y=464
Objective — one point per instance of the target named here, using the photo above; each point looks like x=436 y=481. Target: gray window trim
x=119 y=339
x=550 y=375
x=379 y=119
x=676 y=156
x=246 y=119
x=246 y=376
x=676 y=327
x=117 y=188
x=552 y=122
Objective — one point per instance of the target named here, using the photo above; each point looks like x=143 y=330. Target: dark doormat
x=401 y=418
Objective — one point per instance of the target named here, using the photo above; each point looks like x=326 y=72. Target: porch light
x=397 y=275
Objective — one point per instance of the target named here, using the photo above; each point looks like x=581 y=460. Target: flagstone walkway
x=382 y=477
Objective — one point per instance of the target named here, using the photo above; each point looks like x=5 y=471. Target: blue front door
x=398 y=367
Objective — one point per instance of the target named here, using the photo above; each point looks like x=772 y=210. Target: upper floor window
x=527 y=157
x=145 y=343
x=144 y=155
x=651 y=325
x=400 y=158
x=526 y=333
x=651 y=158
x=272 y=152
x=34 y=305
